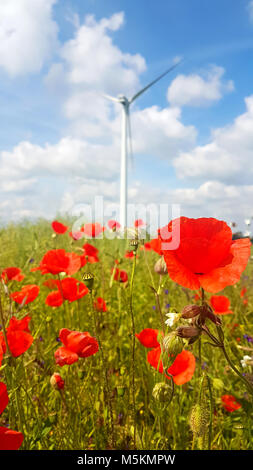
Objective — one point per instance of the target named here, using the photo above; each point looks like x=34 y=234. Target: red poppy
x=229 y=403
x=68 y=289
x=57 y=261
x=54 y=299
x=10 y=440
x=4 y=399
x=12 y=274
x=207 y=256
x=100 y=305
x=27 y=294
x=90 y=253
x=93 y=230
x=58 y=227
x=155 y=245
x=182 y=368
x=76 y=235
x=220 y=304
x=139 y=223
x=113 y=225
x=18 y=336
x=148 y=338
x=76 y=344
x=120 y=275
x=243 y=291
x=1 y=348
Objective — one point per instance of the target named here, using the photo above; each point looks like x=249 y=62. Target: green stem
x=104 y=368
x=248 y=385
x=211 y=413
x=133 y=345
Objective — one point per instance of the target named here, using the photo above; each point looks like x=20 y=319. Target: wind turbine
x=125 y=102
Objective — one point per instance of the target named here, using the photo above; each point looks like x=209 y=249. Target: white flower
x=172 y=318
x=245 y=361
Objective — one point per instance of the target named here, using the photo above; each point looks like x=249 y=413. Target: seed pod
x=199 y=420
x=162 y=392
x=160 y=267
x=191 y=311
x=187 y=331
x=88 y=279
x=172 y=344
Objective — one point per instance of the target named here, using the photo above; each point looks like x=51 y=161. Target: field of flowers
x=120 y=344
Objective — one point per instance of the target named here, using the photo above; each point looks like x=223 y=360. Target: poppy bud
x=191 y=311
x=199 y=420
x=162 y=392
x=207 y=312
x=187 y=331
x=57 y=382
x=160 y=267
x=172 y=344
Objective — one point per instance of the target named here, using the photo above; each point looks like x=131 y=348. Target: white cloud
x=160 y=133
x=227 y=157
x=250 y=10
x=197 y=90
x=28 y=35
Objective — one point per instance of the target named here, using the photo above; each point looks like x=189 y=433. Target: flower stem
x=133 y=345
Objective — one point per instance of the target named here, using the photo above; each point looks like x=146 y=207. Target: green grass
x=79 y=417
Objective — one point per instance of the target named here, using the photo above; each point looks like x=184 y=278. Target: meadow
x=132 y=383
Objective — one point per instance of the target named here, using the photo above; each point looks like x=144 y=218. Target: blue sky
x=192 y=131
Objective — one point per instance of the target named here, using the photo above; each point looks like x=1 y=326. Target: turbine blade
x=153 y=82
x=111 y=98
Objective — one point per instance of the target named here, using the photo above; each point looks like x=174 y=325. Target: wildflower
x=220 y=304
x=93 y=230
x=248 y=338
x=243 y=291
x=4 y=399
x=130 y=254
x=229 y=403
x=100 y=305
x=247 y=360
x=148 y=338
x=18 y=336
x=12 y=274
x=139 y=223
x=207 y=256
x=58 y=227
x=172 y=318
x=69 y=289
x=182 y=368
x=9 y=440
x=120 y=275
x=27 y=294
x=57 y=382
x=76 y=344
x=58 y=261
x=76 y=235
x=90 y=253
x=113 y=225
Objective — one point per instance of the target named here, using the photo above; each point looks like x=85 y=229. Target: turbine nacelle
x=123 y=100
